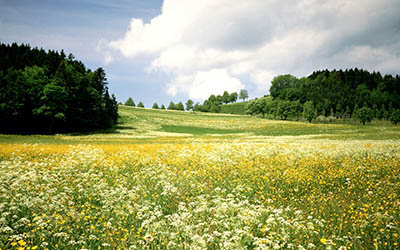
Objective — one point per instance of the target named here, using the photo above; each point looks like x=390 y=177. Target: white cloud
x=209 y=45
x=262 y=79
x=365 y=56
x=102 y=48
x=204 y=83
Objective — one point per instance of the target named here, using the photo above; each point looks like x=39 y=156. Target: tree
x=140 y=105
x=205 y=107
x=284 y=109
x=376 y=111
x=309 y=111
x=243 y=94
x=384 y=112
x=233 y=97
x=162 y=106
x=395 y=116
x=53 y=104
x=340 y=91
x=280 y=86
x=214 y=108
x=347 y=113
x=179 y=106
x=362 y=94
x=219 y=100
x=110 y=112
x=155 y=106
x=130 y=102
x=46 y=92
x=171 y=106
x=251 y=108
x=355 y=111
x=189 y=105
x=226 y=97
x=197 y=107
x=365 y=114
x=339 y=111
x=213 y=99
x=256 y=107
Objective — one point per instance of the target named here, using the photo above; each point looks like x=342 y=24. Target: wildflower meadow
x=205 y=192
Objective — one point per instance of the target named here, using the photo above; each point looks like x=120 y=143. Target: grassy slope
x=297 y=166
x=237 y=108
x=146 y=125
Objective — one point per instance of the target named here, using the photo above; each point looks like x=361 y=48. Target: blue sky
x=77 y=27
x=154 y=50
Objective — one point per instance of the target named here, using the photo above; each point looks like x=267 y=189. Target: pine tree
x=171 y=106
x=179 y=106
x=130 y=102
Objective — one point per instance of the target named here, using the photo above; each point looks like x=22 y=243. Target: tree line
x=212 y=104
x=351 y=93
x=48 y=92
x=323 y=96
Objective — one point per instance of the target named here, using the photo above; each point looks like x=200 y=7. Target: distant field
x=184 y=180
x=139 y=125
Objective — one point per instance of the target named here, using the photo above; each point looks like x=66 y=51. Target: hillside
x=160 y=173
x=238 y=108
x=152 y=123
x=138 y=125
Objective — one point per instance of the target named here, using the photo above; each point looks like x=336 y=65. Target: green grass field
x=185 y=180
x=238 y=108
x=137 y=125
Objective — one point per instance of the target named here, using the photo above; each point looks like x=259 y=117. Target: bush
x=395 y=117
x=309 y=112
x=365 y=114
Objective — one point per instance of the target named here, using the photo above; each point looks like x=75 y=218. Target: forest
x=323 y=96
x=339 y=94
x=48 y=92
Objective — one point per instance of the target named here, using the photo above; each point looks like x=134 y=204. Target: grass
x=138 y=125
x=196 y=130
x=182 y=180
x=238 y=108
x=147 y=122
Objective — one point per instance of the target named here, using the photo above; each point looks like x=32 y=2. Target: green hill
x=237 y=108
x=152 y=123
x=139 y=125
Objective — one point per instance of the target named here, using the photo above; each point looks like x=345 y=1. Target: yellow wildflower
x=21 y=242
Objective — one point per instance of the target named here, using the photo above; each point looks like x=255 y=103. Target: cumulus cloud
x=102 y=47
x=204 y=83
x=212 y=45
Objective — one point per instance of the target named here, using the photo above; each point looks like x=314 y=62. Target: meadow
x=182 y=180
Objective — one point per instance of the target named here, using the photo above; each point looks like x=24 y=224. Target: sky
x=174 y=50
